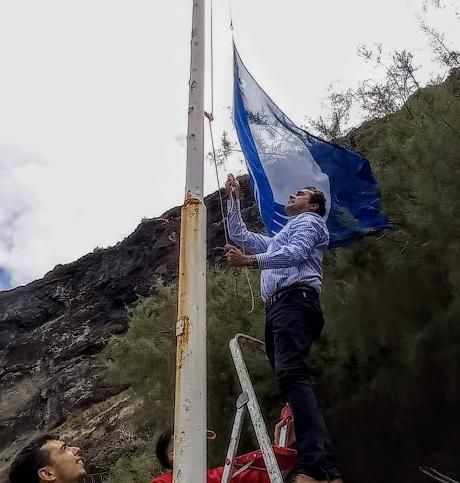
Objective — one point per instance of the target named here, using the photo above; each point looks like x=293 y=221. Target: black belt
x=278 y=294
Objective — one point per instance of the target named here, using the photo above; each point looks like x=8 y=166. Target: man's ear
x=46 y=474
x=315 y=207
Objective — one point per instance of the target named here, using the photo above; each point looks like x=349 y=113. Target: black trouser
x=293 y=322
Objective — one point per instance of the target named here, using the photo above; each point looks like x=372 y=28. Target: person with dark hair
x=47 y=459
x=316 y=198
x=291 y=277
x=164 y=450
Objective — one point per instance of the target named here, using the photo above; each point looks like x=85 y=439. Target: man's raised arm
x=238 y=232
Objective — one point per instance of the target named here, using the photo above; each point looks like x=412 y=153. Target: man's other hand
x=235 y=257
x=232 y=185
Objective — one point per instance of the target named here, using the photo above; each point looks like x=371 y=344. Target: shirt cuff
x=233 y=206
x=262 y=260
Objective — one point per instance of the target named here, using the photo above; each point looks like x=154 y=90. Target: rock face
x=52 y=378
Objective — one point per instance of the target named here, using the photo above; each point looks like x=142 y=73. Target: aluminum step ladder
x=247 y=401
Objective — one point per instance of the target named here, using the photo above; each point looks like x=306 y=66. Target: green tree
x=139 y=468
x=393 y=302
x=144 y=357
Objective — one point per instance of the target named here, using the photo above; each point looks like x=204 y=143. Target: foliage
x=144 y=359
x=220 y=155
x=392 y=346
x=145 y=356
x=139 y=468
x=443 y=53
x=372 y=99
x=332 y=126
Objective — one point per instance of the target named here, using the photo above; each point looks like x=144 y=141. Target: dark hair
x=318 y=198
x=27 y=463
x=161 y=449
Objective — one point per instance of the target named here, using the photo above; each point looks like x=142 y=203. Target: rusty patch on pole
x=189 y=231
x=190 y=199
x=189 y=237
x=182 y=340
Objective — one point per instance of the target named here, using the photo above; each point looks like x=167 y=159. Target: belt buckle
x=271 y=300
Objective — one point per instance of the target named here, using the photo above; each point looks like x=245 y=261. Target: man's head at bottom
x=48 y=460
x=164 y=449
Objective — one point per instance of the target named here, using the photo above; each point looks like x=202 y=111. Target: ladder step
x=285 y=457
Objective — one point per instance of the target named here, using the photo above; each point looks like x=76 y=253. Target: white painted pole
x=195 y=135
x=190 y=404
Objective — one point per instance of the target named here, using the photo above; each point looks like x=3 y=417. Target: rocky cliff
x=52 y=378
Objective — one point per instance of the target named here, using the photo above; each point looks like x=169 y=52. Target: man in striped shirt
x=291 y=276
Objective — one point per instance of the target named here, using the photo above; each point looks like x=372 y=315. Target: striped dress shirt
x=292 y=256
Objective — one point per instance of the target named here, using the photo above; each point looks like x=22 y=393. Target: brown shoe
x=299 y=478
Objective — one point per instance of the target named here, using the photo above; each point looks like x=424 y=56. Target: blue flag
x=282 y=158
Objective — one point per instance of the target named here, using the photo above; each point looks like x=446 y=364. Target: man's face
x=299 y=202
x=66 y=463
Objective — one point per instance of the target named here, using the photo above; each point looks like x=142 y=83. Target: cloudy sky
x=93 y=102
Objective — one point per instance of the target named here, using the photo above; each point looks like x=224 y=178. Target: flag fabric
x=283 y=158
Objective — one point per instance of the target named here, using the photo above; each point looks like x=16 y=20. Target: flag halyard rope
x=210 y=118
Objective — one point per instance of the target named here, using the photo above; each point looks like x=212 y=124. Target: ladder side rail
x=257 y=419
x=241 y=403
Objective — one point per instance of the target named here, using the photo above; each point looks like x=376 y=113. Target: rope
x=224 y=218
x=230 y=13
x=245 y=269
x=210 y=117
x=222 y=212
x=251 y=291
x=212 y=65
x=436 y=475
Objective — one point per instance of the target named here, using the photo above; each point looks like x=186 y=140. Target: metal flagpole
x=190 y=404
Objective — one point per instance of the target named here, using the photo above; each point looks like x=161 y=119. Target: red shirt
x=214 y=475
